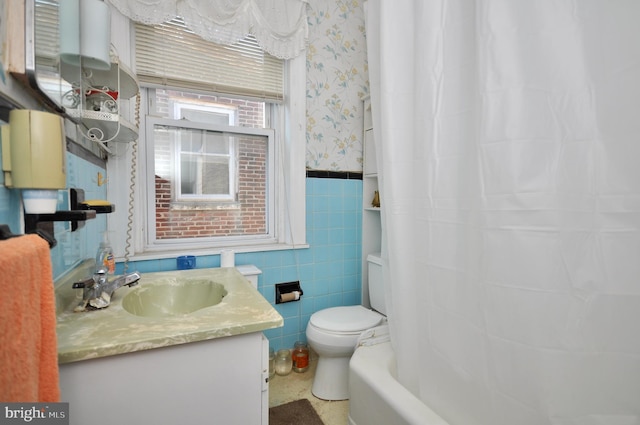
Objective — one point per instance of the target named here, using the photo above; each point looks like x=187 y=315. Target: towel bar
x=5 y=233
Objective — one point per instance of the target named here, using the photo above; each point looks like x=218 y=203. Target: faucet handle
x=100 y=276
x=83 y=283
x=132 y=279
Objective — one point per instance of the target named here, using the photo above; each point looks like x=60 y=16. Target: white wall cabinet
x=371 y=220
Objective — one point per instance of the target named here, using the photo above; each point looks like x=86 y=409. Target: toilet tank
x=251 y=272
x=376 y=285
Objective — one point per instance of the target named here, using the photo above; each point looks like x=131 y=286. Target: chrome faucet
x=98 y=289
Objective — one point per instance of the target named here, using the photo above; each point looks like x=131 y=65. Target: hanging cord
x=132 y=185
x=287 y=196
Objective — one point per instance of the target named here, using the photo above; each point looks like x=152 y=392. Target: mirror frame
x=31 y=71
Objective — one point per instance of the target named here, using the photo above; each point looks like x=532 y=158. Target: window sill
x=161 y=254
x=204 y=206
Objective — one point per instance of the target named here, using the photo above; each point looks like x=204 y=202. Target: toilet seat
x=346 y=319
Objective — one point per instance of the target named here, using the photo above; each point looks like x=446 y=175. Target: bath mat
x=294 y=413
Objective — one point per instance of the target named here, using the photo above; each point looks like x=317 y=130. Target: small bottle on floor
x=283 y=362
x=300 y=357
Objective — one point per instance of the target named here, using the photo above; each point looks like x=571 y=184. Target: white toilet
x=333 y=334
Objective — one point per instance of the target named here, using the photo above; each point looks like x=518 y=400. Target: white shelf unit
x=371 y=220
x=95 y=102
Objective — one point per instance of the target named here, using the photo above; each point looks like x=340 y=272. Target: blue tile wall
x=72 y=247
x=329 y=271
x=9 y=205
x=81 y=244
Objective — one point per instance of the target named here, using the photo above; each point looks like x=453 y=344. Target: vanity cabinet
x=217 y=381
x=209 y=366
x=371 y=220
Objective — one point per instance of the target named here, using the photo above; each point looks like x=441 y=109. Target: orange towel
x=28 y=346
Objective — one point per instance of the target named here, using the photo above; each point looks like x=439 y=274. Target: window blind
x=47 y=37
x=169 y=54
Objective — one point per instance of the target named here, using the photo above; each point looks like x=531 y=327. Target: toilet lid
x=345 y=319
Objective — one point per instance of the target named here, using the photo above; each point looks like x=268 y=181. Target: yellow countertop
x=113 y=330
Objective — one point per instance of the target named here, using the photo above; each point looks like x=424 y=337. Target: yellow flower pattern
x=337 y=80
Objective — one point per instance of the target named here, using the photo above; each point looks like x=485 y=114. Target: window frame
x=231 y=114
x=126 y=185
x=152 y=243
x=231 y=161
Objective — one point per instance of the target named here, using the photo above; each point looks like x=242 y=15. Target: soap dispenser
x=33 y=158
x=34 y=150
x=104 y=257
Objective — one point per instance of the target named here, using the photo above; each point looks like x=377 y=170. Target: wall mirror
x=69 y=41
x=43 y=65
x=71 y=65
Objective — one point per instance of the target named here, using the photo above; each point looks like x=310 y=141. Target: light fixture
x=85 y=33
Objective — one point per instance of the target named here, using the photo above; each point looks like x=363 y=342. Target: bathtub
x=376 y=397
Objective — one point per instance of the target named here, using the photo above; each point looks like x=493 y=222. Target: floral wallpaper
x=337 y=81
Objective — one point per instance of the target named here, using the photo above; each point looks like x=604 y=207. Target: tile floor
x=294 y=386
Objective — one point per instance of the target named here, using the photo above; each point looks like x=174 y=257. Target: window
x=209 y=137
x=213 y=114
x=205 y=166
x=210 y=180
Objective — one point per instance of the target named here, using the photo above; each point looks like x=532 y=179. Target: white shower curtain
x=508 y=139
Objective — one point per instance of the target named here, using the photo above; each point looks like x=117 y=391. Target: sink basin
x=173 y=298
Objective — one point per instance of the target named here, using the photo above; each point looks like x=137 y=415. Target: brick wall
x=246 y=215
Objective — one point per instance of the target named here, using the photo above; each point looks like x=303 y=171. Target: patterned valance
x=280 y=26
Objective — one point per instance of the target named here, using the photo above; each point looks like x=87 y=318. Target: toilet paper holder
x=287 y=292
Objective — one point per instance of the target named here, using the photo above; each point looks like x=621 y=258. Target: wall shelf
x=104 y=126
x=371 y=217
x=94 y=102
